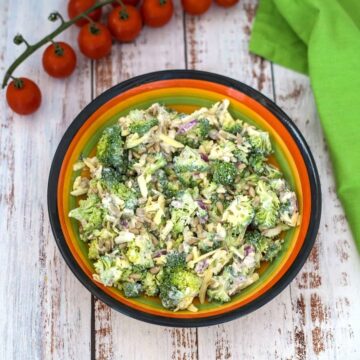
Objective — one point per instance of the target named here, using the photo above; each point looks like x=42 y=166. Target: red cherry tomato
x=126 y=2
x=157 y=13
x=23 y=96
x=196 y=7
x=59 y=60
x=226 y=3
x=75 y=7
x=125 y=23
x=95 y=40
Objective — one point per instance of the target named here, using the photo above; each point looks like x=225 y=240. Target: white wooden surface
x=45 y=313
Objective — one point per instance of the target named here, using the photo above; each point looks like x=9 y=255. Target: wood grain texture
x=117 y=336
x=324 y=293
x=45 y=313
x=218 y=41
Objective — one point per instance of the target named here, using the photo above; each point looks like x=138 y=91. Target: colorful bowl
x=185 y=91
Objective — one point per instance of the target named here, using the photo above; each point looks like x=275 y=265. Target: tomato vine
x=31 y=48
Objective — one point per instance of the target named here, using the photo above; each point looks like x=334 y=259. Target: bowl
x=186 y=90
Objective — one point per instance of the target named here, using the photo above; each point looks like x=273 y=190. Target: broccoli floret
x=139 y=251
x=170 y=296
x=209 y=191
x=210 y=243
x=255 y=238
x=180 y=220
x=198 y=130
x=108 y=272
x=187 y=179
x=269 y=248
x=132 y=289
x=110 y=176
x=232 y=126
x=110 y=149
x=182 y=212
x=274 y=247
x=149 y=285
x=172 y=189
x=234 y=277
x=162 y=179
x=184 y=279
x=89 y=214
x=224 y=173
x=167 y=187
x=259 y=140
x=257 y=163
x=176 y=260
x=128 y=195
x=178 y=286
x=141 y=127
x=239 y=214
x=271 y=172
x=267 y=213
x=112 y=181
x=223 y=151
x=190 y=160
x=219 y=293
x=241 y=154
x=278 y=185
x=93 y=250
x=130 y=271
x=159 y=162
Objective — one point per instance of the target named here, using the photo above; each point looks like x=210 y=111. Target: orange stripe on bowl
x=210 y=91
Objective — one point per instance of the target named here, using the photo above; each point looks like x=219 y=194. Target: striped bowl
x=186 y=91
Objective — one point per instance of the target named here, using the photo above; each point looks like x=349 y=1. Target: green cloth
x=321 y=38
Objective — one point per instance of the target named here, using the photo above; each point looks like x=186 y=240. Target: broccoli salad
x=182 y=206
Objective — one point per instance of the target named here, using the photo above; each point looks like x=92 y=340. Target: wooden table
x=45 y=313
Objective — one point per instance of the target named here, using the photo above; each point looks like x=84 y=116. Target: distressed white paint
x=45 y=312
x=116 y=335
x=226 y=52
x=328 y=287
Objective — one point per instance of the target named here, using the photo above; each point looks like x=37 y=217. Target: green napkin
x=321 y=38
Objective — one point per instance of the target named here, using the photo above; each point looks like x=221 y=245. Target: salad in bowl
x=182 y=206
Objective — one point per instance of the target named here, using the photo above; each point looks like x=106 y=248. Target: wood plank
x=45 y=312
x=218 y=42
x=325 y=292
x=118 y=336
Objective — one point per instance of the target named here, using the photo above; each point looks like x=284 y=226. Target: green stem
x=18 y=83
x=26 y=43
x=123 y=14
x=59 y=51
x=93 y=28
x=32 y=48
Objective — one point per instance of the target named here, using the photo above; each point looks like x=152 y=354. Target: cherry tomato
x=75 y=7
x=95 y=40
x=226 y=3
x=156 y=13
x=196 y=7
x=59 y=60
x=126 y=2
x=125 y=23
x=23 y=96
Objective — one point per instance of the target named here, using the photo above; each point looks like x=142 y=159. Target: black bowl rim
x=198 y=75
